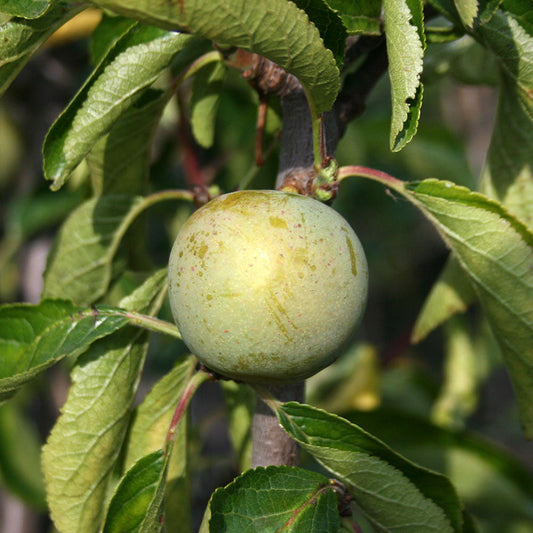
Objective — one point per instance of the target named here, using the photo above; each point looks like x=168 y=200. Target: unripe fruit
x=267 y=286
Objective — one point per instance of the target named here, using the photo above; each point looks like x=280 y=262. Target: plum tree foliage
x=267 y=281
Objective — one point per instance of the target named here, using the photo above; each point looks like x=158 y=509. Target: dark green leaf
x=207 y=86
x=20 y=39
x=362 y=17
x=110 y=30
x=20 y=465
x=94 y=419
x=133 y=64
x=28 y=9
x=394 y=493
x=496 y=250
x=522 y=12
x=137 y=499
x=34 y=337
x=329 y=25
x=275 y=29
x=276 y=498
x=405 y=49
x=119 y=162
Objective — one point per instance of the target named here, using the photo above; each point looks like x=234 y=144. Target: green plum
x=266 y=287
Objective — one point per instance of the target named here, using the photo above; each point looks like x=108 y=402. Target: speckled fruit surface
x=267 y=286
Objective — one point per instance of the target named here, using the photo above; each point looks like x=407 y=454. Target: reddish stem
x=196 y=380
x=373 y=174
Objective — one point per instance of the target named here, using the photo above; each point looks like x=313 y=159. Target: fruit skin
x=267 y=286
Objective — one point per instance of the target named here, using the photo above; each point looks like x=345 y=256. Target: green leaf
x=110 y=30
x=329 y=25
x=20 y=39
x=80 y=264
x=207 y=86
x=522 y=13
x=495 y=487
x=134 y=63
x=147 y=434
x=20 y=464
x=34 y=337
x=496 y=251
x=508 y=175
x=119 y=162
x=405 y=50
x=452 y=293
x=152 y=417
x=474 y=13
x=275 y=29
x=362 y=17
x=276 y=498
x=136 y=504
x=463 y=371
x=395 y=494
x=94 y=419
x=28 y=9
x=240 y=403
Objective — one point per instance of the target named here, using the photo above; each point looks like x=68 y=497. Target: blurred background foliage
x=446 y=403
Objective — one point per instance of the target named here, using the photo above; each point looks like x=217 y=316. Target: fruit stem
x=271 y=445
x=373 y=174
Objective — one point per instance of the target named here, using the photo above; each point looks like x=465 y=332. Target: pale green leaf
x=80 y=264
x=207 y=86
x=28 y=9
x=507 y=176
x=458 y=397
x=452 y=293
x=94 y=419
x=476 y=12
x=133 y=64
x=276 y=498
x=394 y=493
x=405 y=50
x=20 y=39
x=240 y=402
x=275 y=29
x=496 y=250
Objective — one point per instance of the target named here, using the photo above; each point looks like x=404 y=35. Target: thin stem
x=148 y=322
x=373 y=174
x=152 y=323
x=195 y=381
